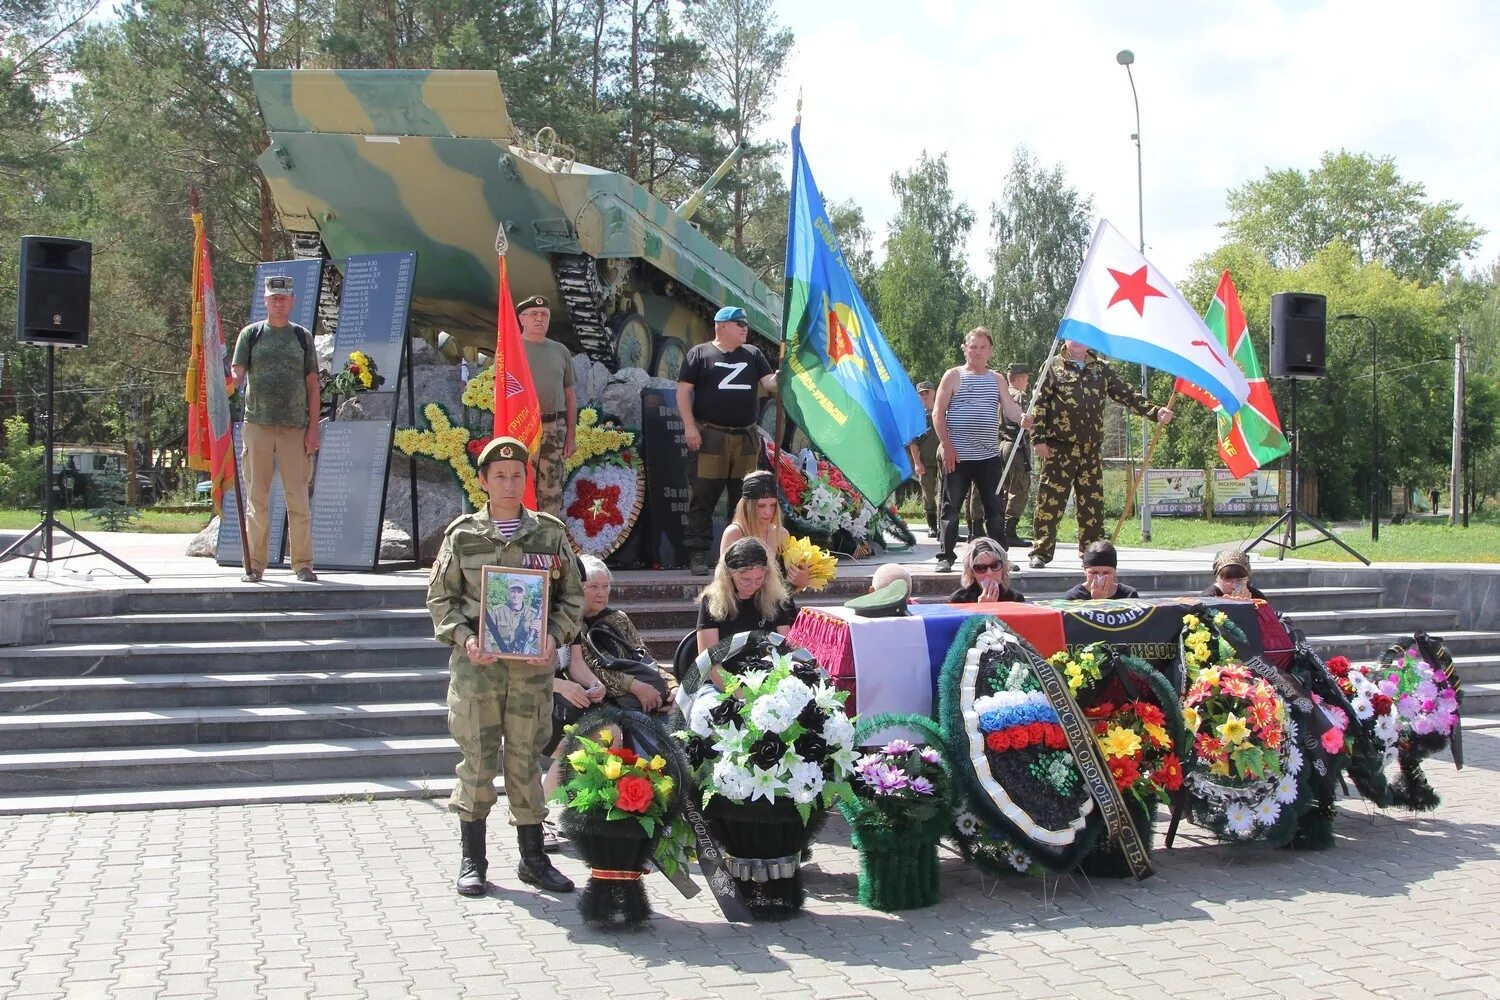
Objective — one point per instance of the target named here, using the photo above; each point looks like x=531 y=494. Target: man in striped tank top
x=967 y=419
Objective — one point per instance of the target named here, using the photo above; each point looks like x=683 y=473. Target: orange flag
x=517 y=412
x=210 y=445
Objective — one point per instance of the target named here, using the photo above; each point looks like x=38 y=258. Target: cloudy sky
x=1227 y=89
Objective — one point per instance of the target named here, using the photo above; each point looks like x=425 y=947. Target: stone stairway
x=309 y=693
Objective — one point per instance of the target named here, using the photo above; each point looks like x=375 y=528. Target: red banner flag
x=517 y=412
x=210 y=444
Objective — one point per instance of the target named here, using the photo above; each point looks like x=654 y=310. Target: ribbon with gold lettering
x=1091 y=766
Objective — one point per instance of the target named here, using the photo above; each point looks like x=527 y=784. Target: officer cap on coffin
x=887 y=602
x=534 y=302
x=504 y=449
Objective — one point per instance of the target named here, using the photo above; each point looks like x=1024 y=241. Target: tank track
x=309 y=246
x=578 y=286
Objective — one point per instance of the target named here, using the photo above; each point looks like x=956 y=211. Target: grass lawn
x=153 y=521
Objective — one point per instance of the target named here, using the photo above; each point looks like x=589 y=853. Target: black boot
x=474 y=866
x=535 y=867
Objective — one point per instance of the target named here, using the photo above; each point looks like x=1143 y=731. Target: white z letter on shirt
x=727 y=382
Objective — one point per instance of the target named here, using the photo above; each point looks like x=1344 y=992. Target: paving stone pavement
x=354 y=900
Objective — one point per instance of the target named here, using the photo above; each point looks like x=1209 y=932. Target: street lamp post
x=1125 y=58
x=1374 y=425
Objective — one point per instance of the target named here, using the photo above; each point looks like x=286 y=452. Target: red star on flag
x=1133 y=288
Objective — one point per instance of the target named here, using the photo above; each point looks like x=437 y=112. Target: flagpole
x=234 y=455
x=1141 y=475
x=1021 y=432
x=786 y=296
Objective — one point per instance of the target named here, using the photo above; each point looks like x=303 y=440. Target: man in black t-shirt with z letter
x=718 y=402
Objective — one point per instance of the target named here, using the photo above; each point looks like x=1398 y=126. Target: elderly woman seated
x=1232 y=577
x=986 y=575
x=1100 y=580
x=747 y=594
x=608 y=640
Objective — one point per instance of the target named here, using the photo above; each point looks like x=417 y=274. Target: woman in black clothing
x=1232 y=577
x=986 y=575
x=1100 y=581
x=747 y=594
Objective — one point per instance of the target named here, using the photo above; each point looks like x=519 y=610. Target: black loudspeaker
x=53 y=307
x=1299 y=335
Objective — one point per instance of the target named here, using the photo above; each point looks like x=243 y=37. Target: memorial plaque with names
x=349 y=493
x=667 y=463
x=307 y=277
x=373 y=311
x=228 y=552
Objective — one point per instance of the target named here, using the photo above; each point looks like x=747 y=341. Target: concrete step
x=1480 y=697
x=230 y=794
x=221 y=724
x=27 y=695
x=224 y=763
x=1408 y=620
x=210 y=626
x=281 y=593
x=1369 y=645
x=228 y=656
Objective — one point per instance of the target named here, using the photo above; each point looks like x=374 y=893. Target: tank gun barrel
x=695 y=200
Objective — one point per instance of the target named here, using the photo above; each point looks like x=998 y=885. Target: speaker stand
x=45 y=551
x=1291 y=516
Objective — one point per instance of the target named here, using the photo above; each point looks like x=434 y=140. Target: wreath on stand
x=1028 y=763
x=1409 y=704
x=605 y=490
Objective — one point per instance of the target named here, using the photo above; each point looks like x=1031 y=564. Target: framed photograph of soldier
x=513 y=612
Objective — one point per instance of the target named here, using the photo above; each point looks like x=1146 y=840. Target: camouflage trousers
x=1075 y=469
x=727 y=456
x=932 y=490
x=1017 y=491
x=505 y=705
x=550 y=474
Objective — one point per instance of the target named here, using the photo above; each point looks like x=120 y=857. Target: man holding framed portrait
x=506 y=593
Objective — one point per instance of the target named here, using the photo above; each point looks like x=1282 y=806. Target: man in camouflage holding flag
x=1068 y=435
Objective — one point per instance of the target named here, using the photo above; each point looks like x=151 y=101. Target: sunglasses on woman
x=986 y=567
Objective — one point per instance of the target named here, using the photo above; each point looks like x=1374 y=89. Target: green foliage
x=22 y=466
x=111 y=508
x=1041 y=229
x=1288 y=217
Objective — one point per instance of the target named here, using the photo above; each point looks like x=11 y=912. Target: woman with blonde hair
x=746 y=594
x=758 y=515
x=986 y=575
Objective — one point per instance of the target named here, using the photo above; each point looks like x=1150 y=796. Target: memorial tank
x=368 y=161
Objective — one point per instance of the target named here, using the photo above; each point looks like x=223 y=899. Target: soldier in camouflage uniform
x=924 y=458
x=1069 y=431
x=551 y=367
x=493 y=701
x=1017 y=487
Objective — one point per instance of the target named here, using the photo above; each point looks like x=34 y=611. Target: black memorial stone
x=667 y=463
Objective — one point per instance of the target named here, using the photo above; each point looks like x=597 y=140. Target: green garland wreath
x=898 y=868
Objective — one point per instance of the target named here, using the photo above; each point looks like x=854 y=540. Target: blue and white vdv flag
x=1122 y=307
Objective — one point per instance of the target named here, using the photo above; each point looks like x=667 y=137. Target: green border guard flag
x=843 y=385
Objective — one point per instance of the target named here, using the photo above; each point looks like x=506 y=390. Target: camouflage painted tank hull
x=381 y=160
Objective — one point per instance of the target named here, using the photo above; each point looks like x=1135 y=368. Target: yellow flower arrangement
x=1120 y=742
x=445 y=442
x=822 y=566
x=479 y=391
x=1233 y=729
x=1084 y=668
x=1190 y=719
x=593 y=439
x=362 y=361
